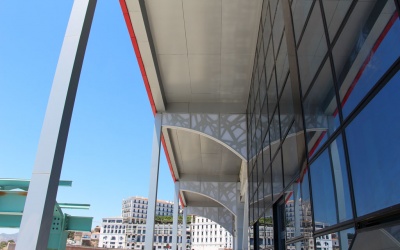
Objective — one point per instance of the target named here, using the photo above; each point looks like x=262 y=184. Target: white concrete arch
x=229 y=130
x=220 y=215
x=224 y=193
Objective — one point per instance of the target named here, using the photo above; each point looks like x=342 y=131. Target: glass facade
x=323 y=122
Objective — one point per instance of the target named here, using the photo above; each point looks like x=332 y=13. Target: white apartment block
x=112 y=233
x=208 y=235
x=136 y=208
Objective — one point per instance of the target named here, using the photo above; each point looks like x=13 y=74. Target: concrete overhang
x=195 y=57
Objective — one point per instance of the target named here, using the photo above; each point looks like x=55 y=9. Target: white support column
x=184 y=224
x=152 y=202
x=39 y=206
x=239 y=220
x=175 y=216
x=245 y=239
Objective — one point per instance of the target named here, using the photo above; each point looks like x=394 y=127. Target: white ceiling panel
x=237 y=34
x=174 y=70
x=203 y=158
x=203 y=26
x=205 y=73
x=167 y=26
x=209 y=146
x=204 y=49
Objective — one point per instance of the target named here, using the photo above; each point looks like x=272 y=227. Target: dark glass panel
x=325 y=213
x=290 y=159
x=373 y=143
x=267 y=188
x=278 y=26
x=337 y=240
x=286 y=107
x=306 y=206
x=277 y=176
x=312 y=48
x=320 y=108
x=335 y=11
x=365 y=50
x=300 y=10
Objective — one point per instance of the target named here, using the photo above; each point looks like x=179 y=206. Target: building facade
x=275 y=116
x=207 y=235
x=136 y=208
x=113 y=233
x=323 y=91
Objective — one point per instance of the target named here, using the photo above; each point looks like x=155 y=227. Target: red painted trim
x=288 y=198
x=137 y=53
x=168 y=158
x=145 y=79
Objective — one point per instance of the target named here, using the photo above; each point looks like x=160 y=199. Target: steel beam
x=38 y=212
x=152 y=202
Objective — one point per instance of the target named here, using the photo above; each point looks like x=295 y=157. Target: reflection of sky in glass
x=373 y=141
x=322 y=190
x=387 y=52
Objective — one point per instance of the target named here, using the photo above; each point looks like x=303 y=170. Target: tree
x=3 y=244
x=71 y=235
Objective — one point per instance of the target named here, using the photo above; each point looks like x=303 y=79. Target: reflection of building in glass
x=322 y=88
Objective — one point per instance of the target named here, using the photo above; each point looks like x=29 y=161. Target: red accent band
x=145 y=79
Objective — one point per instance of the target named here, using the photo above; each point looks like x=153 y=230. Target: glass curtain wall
x=323 y=121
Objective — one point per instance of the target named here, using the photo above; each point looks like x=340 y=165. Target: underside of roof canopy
x=196 y=57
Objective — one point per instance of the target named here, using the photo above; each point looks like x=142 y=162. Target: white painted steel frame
x=39 y=206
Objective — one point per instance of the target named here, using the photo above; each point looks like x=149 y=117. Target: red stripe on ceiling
x=137 y=53
x=128 y=22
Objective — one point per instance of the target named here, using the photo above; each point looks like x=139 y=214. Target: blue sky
x=109 y=145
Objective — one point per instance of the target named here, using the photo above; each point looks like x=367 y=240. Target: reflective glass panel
x=323 y=192
x=312 y=48
x=373 y=143
x=300 y=11
x=337 y=240
x=365 y=50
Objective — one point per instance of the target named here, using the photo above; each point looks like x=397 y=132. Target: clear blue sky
x=109 y=145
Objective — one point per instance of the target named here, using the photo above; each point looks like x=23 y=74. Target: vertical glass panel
x=337 y=240
x=267 y=188
x=277 y=29
x=341 y=181
x=290 y=159
x=293 y=212
x=263 y=88
x=272 y=97
x=267 y=230
x=269 y=62
x=365 y=50
x=273 y=7
x=320 y=108
x=306 y=207
x=312 y=48
x=381 y=238
x=264 y=122
x=325 y=213
x=300 y=11
x=277 y=176
x=305 y=244
x=266 y=152
x=251 y=237
x=373 y=144
x=282 y=65
x=274 y=133
x=267 y=30
x=335 y=11
x=286 y=107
